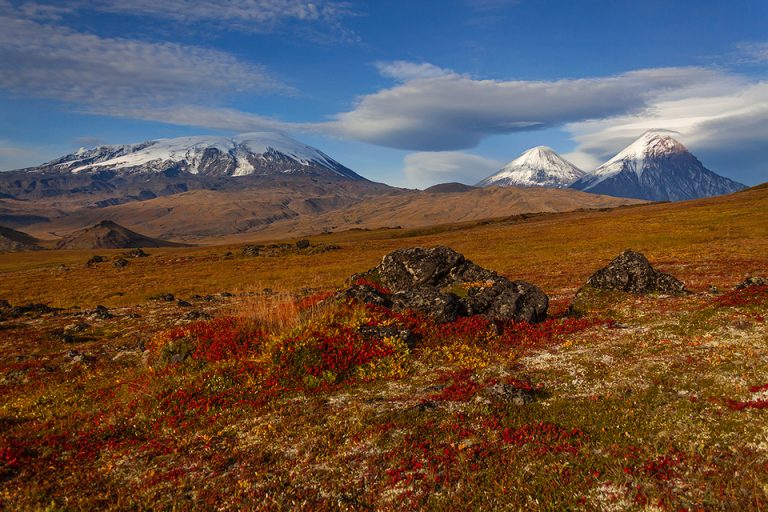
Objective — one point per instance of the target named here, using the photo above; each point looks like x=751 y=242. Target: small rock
x=76 y=327
x=196 y=314
x=714 y=290
x=183 y=304
x=63 y=336
x=135 y=253
x=120 y=263
x=226 y=294
x=95 y=260
x=302 y=244
x=509 y=394
x=102 y=313
x=752 y=281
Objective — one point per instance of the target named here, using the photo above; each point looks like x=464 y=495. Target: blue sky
x=410 y=93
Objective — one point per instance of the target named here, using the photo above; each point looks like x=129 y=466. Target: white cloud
x=109 y=74
x=449 y=111
x=753 y=52
x=725 y=126
x=403 y=70
x=428 y=168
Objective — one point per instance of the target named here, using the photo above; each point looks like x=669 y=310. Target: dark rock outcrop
x=752 y=281
x=444 y=285
x=631 y=272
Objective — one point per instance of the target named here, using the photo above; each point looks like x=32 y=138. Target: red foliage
x=749 y=296
x=338 y=351
x=362 y=281
x=219 y=339
x=751 y=404
x=472 y=328
x=757 y=389
x=545 y=437
x=527 y=334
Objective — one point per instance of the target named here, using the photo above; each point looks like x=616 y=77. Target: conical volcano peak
x=652 y=143
x=540 y=166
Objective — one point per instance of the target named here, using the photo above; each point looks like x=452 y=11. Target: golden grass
x=708 y=241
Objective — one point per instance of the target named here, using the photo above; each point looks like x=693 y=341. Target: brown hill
x=449 y=188
x=296 y=206
x=14 y=241
x=110 y=235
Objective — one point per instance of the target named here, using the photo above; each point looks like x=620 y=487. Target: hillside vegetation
x=261 y=390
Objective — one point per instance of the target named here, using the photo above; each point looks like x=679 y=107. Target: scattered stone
x=95 y=260
x=752 y=281
x=33 y=308
x=120 y=263
x=167 y=297
x=63 y=336
x=714 y=290
x=135 y=253
x=302 y=244
x=226 y=294
x=631 y=272
x=196 y=314
x=183 y=304
x=277 y=250
x=267 y=291
x=101 y=312
x=510 y=394
x=210 y=298
x=441 y=283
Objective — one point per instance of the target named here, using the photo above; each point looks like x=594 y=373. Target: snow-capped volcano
x=258 y=153
x=537 y=167
x=658 y=168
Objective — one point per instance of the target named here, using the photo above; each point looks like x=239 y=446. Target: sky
x=410 y=93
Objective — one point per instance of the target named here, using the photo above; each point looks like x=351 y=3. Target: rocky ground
x=645 y=397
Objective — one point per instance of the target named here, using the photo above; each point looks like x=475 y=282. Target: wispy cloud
x=319 y=20
x=449 y=111
x=752 y=52
x=402 y=70
x=428 y=168
x=109 y=74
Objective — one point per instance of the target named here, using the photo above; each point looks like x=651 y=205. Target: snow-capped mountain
x=658 y=168
x=537 y=167
x=258 y=153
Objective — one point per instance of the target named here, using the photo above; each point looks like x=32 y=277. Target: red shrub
x=750 y=296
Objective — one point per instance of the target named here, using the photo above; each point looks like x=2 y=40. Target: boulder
x=632 y=273
x=752 y=281
x=444 y=285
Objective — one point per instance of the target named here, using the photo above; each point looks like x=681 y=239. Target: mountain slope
x=246 y=154
x=109 y=235
x=656 y=167
x=538 y=167
x=13 y=241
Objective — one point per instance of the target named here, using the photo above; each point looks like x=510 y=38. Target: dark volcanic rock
x=752 y=281
x=95 y=259
x=631 y=272
x=135 y=253
x=302 y=244
x=442 y=307
x=367 y=295
x=443 y=284
x=120 y=263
